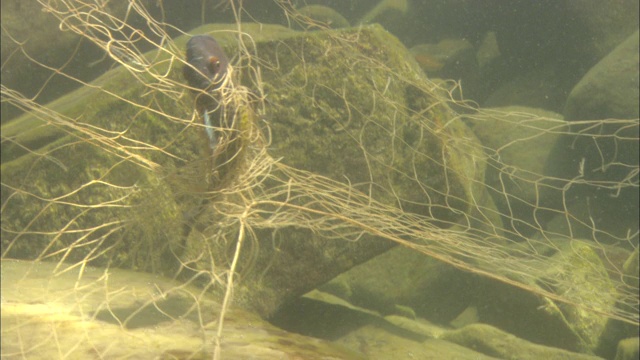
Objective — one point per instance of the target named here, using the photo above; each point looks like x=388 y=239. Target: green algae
x=345 y=104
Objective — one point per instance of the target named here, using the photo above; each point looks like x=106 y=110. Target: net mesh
x=162 y=186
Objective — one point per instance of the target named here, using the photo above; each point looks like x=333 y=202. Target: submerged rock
x=367 y=117
x=494 y=342
x=519 y=143
x=112 y=313
x=610 y=88
x=349 y=105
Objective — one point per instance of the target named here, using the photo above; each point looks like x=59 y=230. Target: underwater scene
x=337 y=179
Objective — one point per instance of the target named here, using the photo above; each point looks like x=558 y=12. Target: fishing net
x=334 y=149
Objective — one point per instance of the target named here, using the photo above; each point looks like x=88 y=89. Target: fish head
x=207 y=63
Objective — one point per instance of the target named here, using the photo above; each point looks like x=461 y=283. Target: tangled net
x=246 y=190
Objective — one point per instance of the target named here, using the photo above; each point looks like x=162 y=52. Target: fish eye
x=214 y=64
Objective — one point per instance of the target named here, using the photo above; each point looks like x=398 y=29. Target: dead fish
x=208 y=62
x=206 y=70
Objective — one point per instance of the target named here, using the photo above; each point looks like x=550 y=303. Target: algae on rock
x=349 y=105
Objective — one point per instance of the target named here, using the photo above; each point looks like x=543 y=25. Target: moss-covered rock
x=93 y=175
x=124 y=177
x=352 y=105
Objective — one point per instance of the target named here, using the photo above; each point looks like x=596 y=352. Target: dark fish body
x=207 y=67
x=208 y=63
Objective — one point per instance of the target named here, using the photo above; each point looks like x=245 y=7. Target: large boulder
x=127 y=182
x=379 y=127
x=53 y=311
x=519 y=141
x=602 y=147
x=610 y=88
